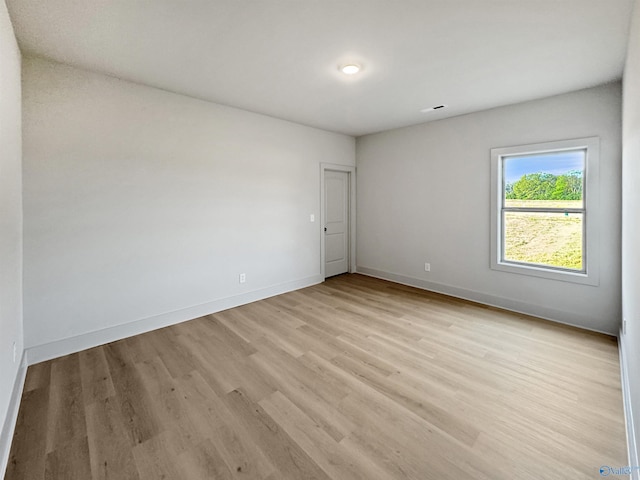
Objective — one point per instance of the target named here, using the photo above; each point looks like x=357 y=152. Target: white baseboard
x=6 y=434
x=47 y=351
x=540 y=311
x=40 y=353
x=632 y=443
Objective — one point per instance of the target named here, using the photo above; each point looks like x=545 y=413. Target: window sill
x=560 y=275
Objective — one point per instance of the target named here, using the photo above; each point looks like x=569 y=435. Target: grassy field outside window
x=544 y=238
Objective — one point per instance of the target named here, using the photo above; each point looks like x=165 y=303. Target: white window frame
x=591 y=273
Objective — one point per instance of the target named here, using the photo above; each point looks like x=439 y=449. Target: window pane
x=552 y=239
x=544 y=180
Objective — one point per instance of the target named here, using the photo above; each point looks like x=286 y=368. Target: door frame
x=351 y=173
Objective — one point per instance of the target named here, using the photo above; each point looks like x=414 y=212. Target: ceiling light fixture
x=431 y=109
x=350 y=69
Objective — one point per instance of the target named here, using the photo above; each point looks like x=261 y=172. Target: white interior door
x=336 y=222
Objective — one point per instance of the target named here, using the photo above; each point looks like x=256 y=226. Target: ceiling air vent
x=431 y=109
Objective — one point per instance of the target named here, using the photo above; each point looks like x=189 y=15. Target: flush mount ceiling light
x=431 y=109
x=350 y=69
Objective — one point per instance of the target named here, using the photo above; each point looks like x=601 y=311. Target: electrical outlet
x=243 y=277
x=312 y=217
x=427 y=267
x=624 y=326
x=15 y=352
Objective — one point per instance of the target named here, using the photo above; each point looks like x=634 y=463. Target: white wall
x=143 y=207
x=424 y=196
x=10 y=230
x=631 y=220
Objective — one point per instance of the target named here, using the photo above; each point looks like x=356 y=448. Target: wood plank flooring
x=356 y=378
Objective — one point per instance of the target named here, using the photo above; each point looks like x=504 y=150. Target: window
x=544 y=202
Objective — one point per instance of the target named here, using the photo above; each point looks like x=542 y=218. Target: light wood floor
x=355 y=378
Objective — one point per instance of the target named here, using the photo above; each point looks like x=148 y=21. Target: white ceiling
x=280 y=57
